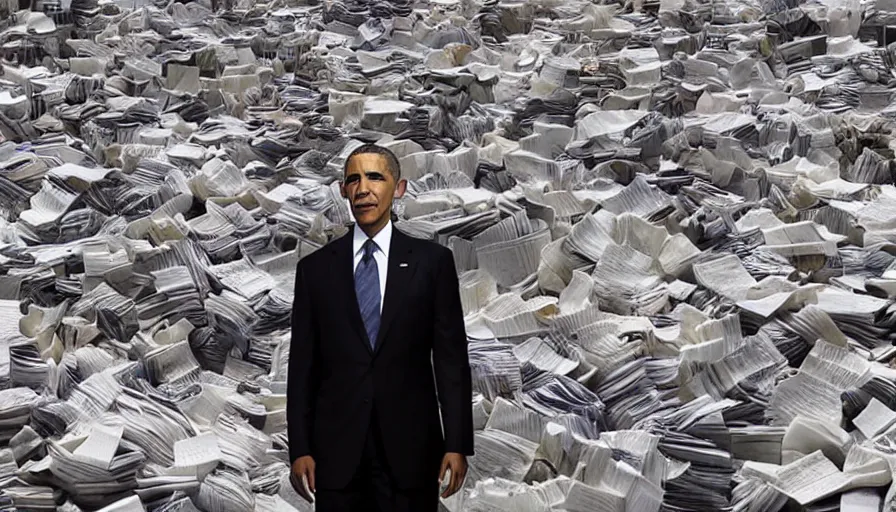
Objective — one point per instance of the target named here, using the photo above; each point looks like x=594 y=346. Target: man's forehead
x=363 y=162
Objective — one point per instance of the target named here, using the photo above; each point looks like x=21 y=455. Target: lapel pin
x=402 y=264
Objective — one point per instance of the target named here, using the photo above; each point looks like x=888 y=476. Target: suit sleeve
x=301 y=378
x=451 y=360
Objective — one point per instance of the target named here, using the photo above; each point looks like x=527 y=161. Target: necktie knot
x=369 y=248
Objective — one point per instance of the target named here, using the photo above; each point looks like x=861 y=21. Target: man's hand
x=303 y=467
x=457 y=463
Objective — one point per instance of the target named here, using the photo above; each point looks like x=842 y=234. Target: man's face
x=370 y=187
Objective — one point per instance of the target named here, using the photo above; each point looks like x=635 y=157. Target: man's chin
x=367 y=219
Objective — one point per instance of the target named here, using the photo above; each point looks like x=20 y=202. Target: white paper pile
x=674 y=225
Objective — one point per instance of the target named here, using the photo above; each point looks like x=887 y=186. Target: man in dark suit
x=378 y=345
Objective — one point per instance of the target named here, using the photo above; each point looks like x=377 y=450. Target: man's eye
x=375 y=176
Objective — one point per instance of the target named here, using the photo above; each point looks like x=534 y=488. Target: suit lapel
x=401 y=270
x=342 y=255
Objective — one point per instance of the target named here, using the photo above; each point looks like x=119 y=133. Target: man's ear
x=342 y=190
x=400 y=188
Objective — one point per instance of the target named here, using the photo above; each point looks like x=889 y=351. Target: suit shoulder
x=320 y=257
x=310 y=260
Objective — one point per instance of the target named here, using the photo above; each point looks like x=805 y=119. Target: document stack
x=673 y=224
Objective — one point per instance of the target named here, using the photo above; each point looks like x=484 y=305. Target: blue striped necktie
x=367 y=288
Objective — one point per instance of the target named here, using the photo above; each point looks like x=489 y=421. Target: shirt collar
x=382 y=239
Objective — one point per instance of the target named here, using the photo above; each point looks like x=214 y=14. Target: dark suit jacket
x=336 y=380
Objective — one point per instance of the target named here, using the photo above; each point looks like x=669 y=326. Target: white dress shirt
x=381 y=254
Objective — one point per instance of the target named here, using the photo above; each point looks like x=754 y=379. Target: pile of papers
x=674 y=225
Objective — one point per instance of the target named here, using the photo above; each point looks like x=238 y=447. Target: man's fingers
x=442 y=472
x=457 y=478
x=453 y=486
x=303 y=491
x=311 y=479
x=298 y=483
x=443 y=469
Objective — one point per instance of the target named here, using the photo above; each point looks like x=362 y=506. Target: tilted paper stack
x=674 y=225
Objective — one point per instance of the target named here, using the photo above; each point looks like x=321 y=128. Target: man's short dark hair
x=394 y=166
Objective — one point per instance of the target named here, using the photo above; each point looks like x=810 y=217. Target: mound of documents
x=674 y=225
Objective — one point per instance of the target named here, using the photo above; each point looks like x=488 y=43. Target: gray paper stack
x=674 y=226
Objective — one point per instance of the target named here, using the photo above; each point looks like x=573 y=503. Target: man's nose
x=363 y=186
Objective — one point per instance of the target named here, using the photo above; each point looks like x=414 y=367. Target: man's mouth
x=365 y=207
